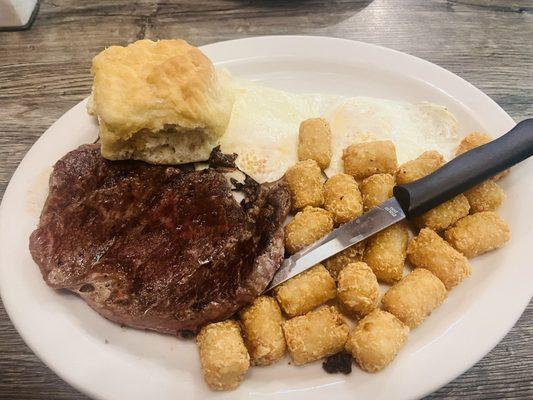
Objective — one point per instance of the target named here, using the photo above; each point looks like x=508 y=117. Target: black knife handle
x=466 y=170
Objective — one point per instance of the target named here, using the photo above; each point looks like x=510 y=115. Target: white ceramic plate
x=109 y=362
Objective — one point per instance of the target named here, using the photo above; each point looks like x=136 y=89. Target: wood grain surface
x=45 y=71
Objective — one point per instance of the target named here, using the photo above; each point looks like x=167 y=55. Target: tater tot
x=263 y=334
x=315 y=335
x=340 y=260
x=478 y=233
x=445 y=214
x=471 y=141
x=376 y=339
x=314 y=141
x=385 y=252
x=428 y=250
x=342 y=198
x=425 y=164
x=305 y=184
x=413 y=298
x=306 y=228
x=358 y=289
x=376 y=189
x=474 y=140
x=486 y=196
x=306 y=291
x=364 y=159
x=223 y=355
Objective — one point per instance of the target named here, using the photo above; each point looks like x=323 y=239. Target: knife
x=415 y=198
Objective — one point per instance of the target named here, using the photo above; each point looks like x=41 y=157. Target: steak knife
x=415 y=198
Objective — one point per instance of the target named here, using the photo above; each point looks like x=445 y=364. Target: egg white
x=263 y=129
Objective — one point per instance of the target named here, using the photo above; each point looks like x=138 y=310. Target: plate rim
x=84 y=386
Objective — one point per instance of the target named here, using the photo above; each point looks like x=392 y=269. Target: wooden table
x=45 y=71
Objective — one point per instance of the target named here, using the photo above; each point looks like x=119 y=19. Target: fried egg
x=263 y=129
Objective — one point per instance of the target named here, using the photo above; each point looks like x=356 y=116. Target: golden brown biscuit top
x=147 y=85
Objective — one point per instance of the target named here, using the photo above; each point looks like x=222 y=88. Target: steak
x=157 y=247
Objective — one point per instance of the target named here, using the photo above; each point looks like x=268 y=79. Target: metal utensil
x=415 y=198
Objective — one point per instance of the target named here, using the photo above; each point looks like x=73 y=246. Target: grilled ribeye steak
x=157 y=247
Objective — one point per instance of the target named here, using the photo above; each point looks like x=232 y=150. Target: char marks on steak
x=157 y=247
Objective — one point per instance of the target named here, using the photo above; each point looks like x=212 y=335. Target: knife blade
x=415 y=198
x=352 y=232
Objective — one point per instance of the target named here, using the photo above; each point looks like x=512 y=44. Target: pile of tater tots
x=308 y=315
